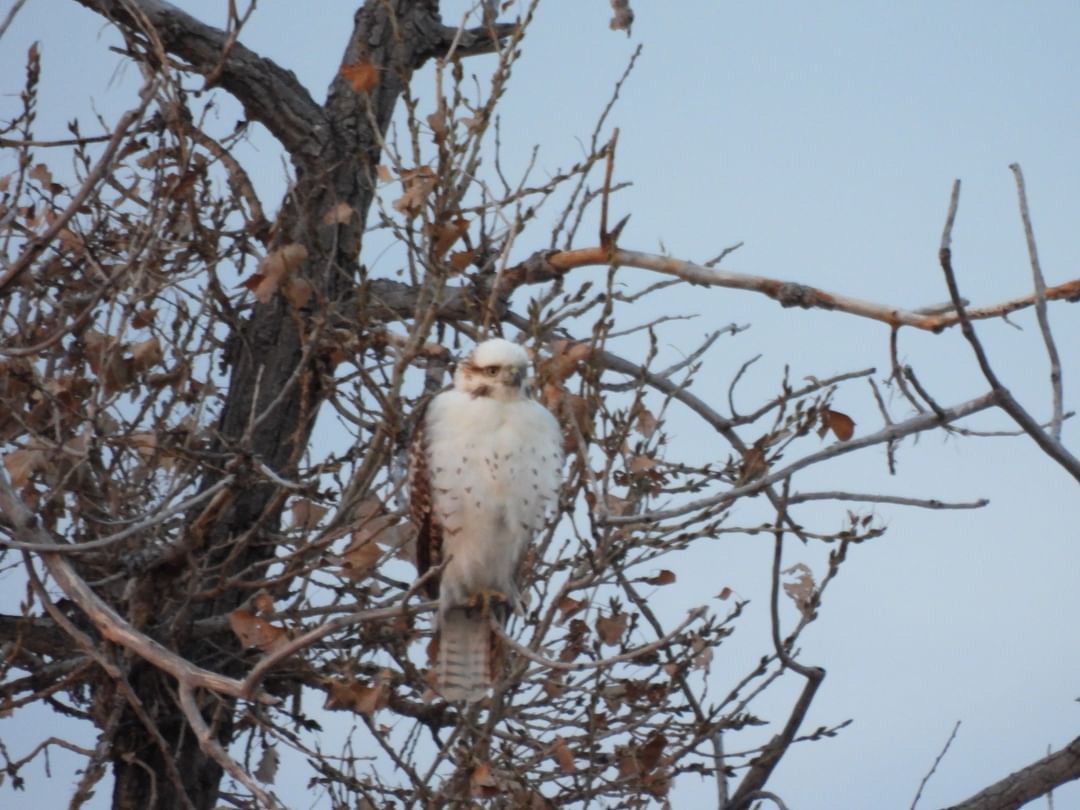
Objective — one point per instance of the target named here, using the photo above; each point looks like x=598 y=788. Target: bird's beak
x=516 y=377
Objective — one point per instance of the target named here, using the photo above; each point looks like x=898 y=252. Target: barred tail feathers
x=463 y=668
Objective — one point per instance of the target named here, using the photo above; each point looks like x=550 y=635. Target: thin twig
x=937 y=761
x=1002 y=395
x=1040 y=305
x=103 y=166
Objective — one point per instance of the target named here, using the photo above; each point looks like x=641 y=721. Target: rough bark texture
x=1027 y=784
x=334 y=149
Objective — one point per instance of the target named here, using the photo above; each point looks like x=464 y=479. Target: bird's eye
x=491 y=371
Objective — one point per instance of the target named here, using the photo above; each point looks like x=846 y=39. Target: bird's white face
x=496 y=368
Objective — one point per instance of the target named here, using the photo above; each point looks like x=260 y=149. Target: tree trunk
x=334 y=150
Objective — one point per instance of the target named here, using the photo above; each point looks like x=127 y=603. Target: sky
x=825 y=137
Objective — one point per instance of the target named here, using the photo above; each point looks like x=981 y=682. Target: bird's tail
x=464 y=666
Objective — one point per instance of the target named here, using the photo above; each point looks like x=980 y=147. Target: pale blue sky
x=826 y=137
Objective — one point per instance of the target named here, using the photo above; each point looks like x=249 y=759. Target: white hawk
x=484 y=469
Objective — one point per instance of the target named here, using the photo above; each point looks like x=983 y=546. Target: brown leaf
x=273 y=270
x=382 y=173
x=702 y=653
x=482 y=782
x=569 y=606
x=255 y=632
x=801 y=589
x=143 y=317
x=565 y=356
x=460 y=259
x=268 y=765
x=340 y=214
x=554 y=685
x=263 y=602
x=754 y=463
x=448 y=233
x=563 y=755
x=649 y=754
x=646 y=423
x=298 y=291
x=725 y=593
x=362 y=76
x=360 y=557
x=42 y=174
x=361 y=698
x=22 y=464
x=437 y=122
x=306 y=514
x=665 y=577
x=417 y=184
x=842 y=425
x=146 y=354
x=611 y=628
x=640 y=464
x=618 y=507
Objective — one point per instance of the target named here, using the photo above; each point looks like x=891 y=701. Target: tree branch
x=549 y=265
x=270 y=94
x=1031 y=782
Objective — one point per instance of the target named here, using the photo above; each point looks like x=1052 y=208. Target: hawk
x=484 y=469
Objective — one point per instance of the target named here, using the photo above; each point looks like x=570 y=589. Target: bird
x=485 y=464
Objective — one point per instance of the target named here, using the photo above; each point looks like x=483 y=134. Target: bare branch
x=1031 y=782
x=933 y=768
x=1040 y=306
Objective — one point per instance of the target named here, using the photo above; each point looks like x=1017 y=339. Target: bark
x=1037 y=779
x=334 y=149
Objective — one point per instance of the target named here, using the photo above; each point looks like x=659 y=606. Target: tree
x=201 y=568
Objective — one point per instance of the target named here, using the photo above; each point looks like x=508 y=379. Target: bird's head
x=496 y=368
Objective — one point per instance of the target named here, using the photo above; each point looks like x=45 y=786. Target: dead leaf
x=563 y=755
x=42 y=174
x=146 y=354
x=360 y=557
x=437 y=122
x=724 y=594
x=340 y=214
x=22 y=464
x=842 y=425
x=460 y=259
x=565 y=356
x=362 y=76
x=754 y=463
x=702 y=653
x=665 y=577
x=640 y=464
x=263 y=602
x=646 y=423
x=801 y=589
x=306 y=514
x=143 y=317
x=447 y=234
x=568 y=606
x=268 y=765
x=618 y=507
x=611 y=628
x=649 y=754
x=417 y=184
x=359 y=697
x=273 y=270
x=298 y=291
x=382 y=173
x=554 y=685
x=255 y=632
x=482 y=782
x=622 y=16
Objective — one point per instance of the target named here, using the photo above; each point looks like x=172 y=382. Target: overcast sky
x=825 y=137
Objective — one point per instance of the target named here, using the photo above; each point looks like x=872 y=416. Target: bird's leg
x=485 y=599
